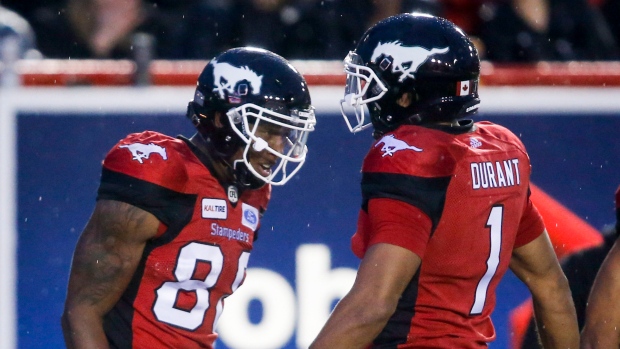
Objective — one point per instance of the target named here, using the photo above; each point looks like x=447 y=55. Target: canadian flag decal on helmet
x=226 y=77
x=463 y=88
x=405 y=59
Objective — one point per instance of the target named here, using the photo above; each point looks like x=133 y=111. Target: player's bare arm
x=602 y=327
x=106 y=256
x=537 y=266
x=359 y=317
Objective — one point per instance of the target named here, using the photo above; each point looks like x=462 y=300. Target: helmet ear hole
x=217 y=119
x=405 y=99
x=191 y=114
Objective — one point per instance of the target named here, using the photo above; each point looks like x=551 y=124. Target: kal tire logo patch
x=214 y=209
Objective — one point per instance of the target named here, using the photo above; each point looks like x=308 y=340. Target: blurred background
x=78 y=75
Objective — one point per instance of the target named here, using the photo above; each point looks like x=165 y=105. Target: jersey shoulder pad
x=258 y=198
x=412 y=150
x=499 y=132
x=152 y=157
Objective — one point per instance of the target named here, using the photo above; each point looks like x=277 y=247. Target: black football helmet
x=424 y=55
x=251 y=86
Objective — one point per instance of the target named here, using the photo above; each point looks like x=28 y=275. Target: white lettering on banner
x=277 y=324
x=318 y=288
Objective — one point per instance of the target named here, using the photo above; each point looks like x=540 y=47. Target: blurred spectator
x=262 y=23
x=296 y=29
x=203 y=27
x=314 y=29
x=611 y=11
x=343 y=23
x=383 y=9
x=580 y=270
x=354 y=17
x=503 y=30
x=553 y=30
x=171 y=5
x=199 y=29
x=105 y=29
x=26 y=8
x=13 y=24
x=463 y=13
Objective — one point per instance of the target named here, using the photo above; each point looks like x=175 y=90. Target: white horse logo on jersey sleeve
x=406 y=59
x=140 y=151
x=226 y=77
x=392 y=144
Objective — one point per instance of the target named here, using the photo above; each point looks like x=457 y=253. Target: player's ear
x=405 y=100
x=217 y=119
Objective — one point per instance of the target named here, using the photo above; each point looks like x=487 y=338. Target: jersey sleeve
x=418 y=178
x=152 y=157
x=144 y=170
x=530 y=226
x=359 y=240
x=393 y=222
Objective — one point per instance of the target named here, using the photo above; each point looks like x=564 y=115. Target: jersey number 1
x=494 y=222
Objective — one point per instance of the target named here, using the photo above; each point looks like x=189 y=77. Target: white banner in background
x=284 y=312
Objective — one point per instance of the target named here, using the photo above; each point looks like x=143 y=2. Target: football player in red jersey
x=175 y=218
x=602 y=326
x=445 y=201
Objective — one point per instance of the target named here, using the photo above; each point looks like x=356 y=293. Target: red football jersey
x=459 y=199
x=200 y=255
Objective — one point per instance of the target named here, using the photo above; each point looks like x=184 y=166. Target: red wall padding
x=184 y=73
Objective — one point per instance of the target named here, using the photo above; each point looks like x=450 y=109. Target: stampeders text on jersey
x=495 y=174
x=234 y=234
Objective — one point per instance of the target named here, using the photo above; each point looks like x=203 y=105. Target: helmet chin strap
x=244 y=178
x=225 y=170
x=236 y=169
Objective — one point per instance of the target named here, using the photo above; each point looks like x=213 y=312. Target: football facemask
x=250 y=121
x=356 y=95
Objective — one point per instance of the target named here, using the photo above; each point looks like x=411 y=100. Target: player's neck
x=220 y=167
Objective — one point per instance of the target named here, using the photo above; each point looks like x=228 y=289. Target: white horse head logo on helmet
x=406 y=59
x=226 y=77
